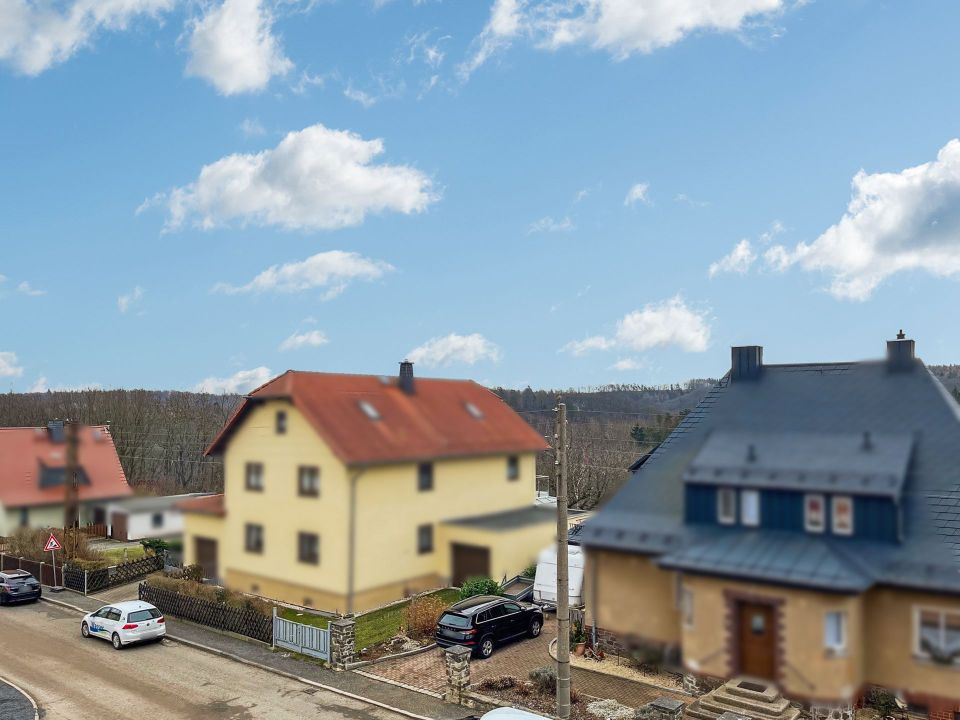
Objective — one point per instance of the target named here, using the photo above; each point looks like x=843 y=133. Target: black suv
x=18 y=586
x=484 y=621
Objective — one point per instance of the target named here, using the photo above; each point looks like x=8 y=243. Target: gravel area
x=609 y=666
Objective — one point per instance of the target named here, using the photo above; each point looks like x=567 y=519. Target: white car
x=125 y=623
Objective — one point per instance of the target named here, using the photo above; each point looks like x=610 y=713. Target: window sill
x=927 y=660
x=254 y=489
x=836 y=653
x=308 y=494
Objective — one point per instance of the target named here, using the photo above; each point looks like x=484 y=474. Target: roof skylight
x=474 y=410
x=369 y=410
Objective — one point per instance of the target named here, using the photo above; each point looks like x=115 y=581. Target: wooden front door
x=118 y=526
x=758 y=644
x=205 y=554
x=469 y=561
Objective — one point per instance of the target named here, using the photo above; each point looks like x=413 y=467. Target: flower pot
x=579 y=648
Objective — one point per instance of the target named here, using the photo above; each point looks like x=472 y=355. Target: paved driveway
x=73 y=678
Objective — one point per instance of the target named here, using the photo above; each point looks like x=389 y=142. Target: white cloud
x=242 y=381
x=548 y=224
x=637 y=193
x=896 y=221
x=28 y=289
x=40 y=385
x=311 y=338
x=420 y=46
x=625 y=364
x=132 y=298
x=687 y=200
x=453 y=348
x=505 y=23
x=625 y=27
x=581 y=195
x=315 y=179
x=9 y=366
x=739 y=261
x=36 y=35
x=333 y=270
x=359 y=96
x=670 y=322
x=232 y=47
x=251 y=127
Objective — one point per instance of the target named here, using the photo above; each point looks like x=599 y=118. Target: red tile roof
x=207 y=505
x=24 y=451
x=442 y=418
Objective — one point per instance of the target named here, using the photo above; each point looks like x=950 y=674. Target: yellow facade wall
x=200 y=525
x=890 y=657
x=510 y=550
x=388 y=510
x=632 y=597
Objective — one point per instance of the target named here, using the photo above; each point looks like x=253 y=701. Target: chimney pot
x=406 y=377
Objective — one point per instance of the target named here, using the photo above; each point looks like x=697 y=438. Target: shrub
x=883 y=701
x=544 y=680
x=28 y=543
x=478 y=586
x=576 y=631
x=193 y=572
x=422 y=615
x=154 y=545
x=529 y=571
x=646 y=657
x=211 y=593
x=524 y=689
x=500 y=682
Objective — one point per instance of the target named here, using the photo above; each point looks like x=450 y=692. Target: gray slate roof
x=508 y=519
x=646 y=515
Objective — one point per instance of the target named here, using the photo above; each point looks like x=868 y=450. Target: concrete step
x=767 y=709
x=694 y=711
x=719 y=705
x=733 y=687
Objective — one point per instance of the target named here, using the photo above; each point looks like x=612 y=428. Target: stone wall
x=343 y=640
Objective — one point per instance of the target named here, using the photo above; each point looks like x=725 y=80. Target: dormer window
x=841 y=514
x=750 y=508
x=814 y=513
x=726 y=506
x=369 y=410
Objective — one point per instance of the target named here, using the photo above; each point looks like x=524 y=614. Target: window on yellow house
x=281 y=422
x=308 y=548
x=425 y=539
x=308 y=481
x=937 y=634
x=254 y=476
x=513 y=467
x=425 y=477
x=835 y=631
x=253 y=538
x=841 y=514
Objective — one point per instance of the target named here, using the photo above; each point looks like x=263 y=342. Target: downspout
x=352 y=540
x=593 y=598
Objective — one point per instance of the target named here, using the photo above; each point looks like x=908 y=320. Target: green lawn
x=381 y=625
x=303 y=618
x=114 y=556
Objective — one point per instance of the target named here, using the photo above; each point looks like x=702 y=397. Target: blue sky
x=552 y=192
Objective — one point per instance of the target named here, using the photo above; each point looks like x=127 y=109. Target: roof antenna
x=900 y=335
x=867 y=442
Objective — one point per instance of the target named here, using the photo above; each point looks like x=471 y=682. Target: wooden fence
x=242 y=621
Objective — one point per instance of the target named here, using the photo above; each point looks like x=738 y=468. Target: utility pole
x=71 y=510
x=563 y=580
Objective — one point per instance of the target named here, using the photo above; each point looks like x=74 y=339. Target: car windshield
x=459 y=621
x=20 y=580
x=143 y=615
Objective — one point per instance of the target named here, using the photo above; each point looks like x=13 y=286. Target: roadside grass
x=380 y=625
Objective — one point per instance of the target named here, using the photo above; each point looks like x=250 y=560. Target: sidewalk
x=261 y=655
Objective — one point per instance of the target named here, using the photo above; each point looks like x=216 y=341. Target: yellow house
x=343 y=492
x=795 y=527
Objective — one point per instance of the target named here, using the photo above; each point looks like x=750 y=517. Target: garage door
x=469 y=561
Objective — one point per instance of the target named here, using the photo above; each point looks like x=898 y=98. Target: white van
x=545 y=582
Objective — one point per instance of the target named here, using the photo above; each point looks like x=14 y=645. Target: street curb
x=399 y=684
x=267 y=668
x=36 y=710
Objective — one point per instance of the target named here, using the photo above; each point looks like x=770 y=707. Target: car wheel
x=486 y=647
x=536 y=625
x=117 y=644
x=85 y=630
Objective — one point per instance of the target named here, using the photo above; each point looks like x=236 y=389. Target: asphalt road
x=71 y=678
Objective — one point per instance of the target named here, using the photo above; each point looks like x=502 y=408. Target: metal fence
x=303 y=639
x=243 y=621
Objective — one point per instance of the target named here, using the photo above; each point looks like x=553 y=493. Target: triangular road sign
x=52 y=544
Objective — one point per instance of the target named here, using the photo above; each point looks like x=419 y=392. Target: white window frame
x=840 y=647
x=686 y=606
x=918 y=650
x=730 y=519
x=807 y=524
x=754 y=521
x=834 y=501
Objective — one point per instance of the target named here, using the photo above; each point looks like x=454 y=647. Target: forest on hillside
x=160 y=436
